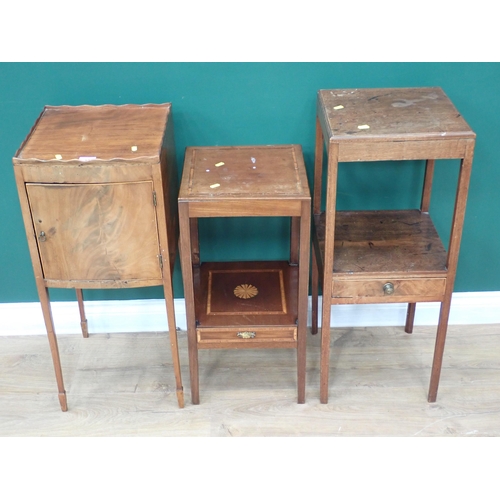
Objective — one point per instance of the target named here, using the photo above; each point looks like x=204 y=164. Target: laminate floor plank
x=123 y=385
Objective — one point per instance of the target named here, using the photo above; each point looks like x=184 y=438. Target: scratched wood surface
x=378 y=242
x=247 y=172
x=388 y=114
x=102 y=132
x=123 y=385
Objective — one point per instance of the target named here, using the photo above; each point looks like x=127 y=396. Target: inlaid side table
x=386 y=256
x=241 y=305
x=98 y=191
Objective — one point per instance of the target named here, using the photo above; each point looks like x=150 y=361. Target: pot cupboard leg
x=174 y=347
x=83 y=319
x=54 y=349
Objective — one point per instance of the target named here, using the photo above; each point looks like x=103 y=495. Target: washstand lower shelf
x=246 y=305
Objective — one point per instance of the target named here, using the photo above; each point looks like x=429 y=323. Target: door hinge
x=154 y=198
x=160 y=261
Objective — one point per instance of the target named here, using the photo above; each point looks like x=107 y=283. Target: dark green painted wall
x=261 y=103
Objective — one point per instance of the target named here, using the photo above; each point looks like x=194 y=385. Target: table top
x=96 y=133
x=250 y=172
x=390 y=114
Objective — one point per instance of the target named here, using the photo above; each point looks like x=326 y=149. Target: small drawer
x=384 y=290
x=243 y=334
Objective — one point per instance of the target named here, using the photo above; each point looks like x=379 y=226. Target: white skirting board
x=113 y=316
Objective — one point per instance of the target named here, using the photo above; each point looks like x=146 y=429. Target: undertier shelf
x=389 y=242
x=246 y=294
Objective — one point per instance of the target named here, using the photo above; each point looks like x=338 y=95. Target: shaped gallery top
x=129 y=132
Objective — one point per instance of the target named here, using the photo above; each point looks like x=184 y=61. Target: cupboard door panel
x=96 y=231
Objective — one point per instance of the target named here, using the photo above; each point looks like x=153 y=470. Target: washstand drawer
x=243 y=334
x=384 y=290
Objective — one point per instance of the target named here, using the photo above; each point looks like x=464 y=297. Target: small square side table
x=98 y=193
x=240 y=305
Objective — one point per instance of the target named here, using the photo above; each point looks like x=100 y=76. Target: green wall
x=261 y=103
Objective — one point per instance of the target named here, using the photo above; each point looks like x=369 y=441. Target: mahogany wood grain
x=94 y=232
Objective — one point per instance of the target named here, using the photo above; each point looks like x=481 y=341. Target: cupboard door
x=96 y=231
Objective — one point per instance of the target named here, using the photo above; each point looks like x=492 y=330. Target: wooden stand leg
x=327 y=270
x=303 y=250
x=453 y=249
x=410 y=317
x=439 y=349
x=174 y=347
x=325 y=351
x=424 y=207
x=54 y=349
x=314 y=294
x=189 y=253
x=83 y=319
x=301 y=366
x=193 y=367
x=294 y=240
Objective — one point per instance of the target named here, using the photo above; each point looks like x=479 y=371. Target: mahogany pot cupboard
x=98 y=191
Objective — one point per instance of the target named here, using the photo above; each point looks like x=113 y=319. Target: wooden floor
x=123 y=385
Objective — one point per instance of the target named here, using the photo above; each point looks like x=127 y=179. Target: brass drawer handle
x=388 y=289
x=246 y=335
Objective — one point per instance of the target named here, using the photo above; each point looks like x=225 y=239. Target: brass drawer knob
x=388 y=289
x=246 y=335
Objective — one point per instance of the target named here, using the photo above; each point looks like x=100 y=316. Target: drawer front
x=246 y=335
x=383 y=290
